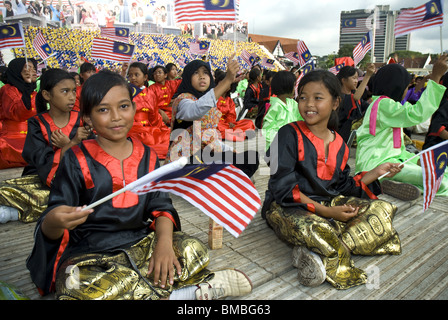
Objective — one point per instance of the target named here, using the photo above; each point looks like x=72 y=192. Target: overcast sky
x=317 y=21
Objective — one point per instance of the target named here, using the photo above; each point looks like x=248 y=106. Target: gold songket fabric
x=27 y=194
x=369 y=233
x=122 y=274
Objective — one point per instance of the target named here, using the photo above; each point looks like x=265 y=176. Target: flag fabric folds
x=222 y=191
x=250 y=58
x=293 y=56
x=41 y=46
x=193 y=11
x=304 y=54
x=117 y=34
x=111 y=50
x=267 y=63
x=427 y=15
x=362 y=48
x=199 y=47
x=12 y=36
x=335 y=69
x=433 y=162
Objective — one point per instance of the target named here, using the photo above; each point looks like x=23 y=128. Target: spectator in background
x=21 y=7
x=56 y=11
x=9 y=10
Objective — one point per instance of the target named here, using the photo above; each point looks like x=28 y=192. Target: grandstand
x=70 y=44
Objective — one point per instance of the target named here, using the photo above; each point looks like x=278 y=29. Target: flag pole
x=441 y=41
x=153 y=175
x=418 y=154
x=372 y=58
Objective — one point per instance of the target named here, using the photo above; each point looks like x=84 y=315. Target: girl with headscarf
x=195 y=119
x=380 y=137
x=17 y=105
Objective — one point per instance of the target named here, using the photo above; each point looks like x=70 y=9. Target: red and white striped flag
x=335 y=69
x=433 y=162
x=111 y=50
x=222 y=191
x=11 y=36
x=427 y=15
x=362 y=48
x=192 y=11
x=41 y=46
x=293 y=56
x=304 y=54
x=117 y=34
x=199 y=47
x=250 y=58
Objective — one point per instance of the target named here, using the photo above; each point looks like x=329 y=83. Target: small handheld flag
x=42 y=47
x=222 y=191
x=362 y=48
x=200 y=47
x=111 y=50
x=11 y=36
x=433 y=161
x=117 y=34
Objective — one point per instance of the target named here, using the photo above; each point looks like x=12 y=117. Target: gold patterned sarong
x=121 y=274
x=369 y=233
x=27 y=194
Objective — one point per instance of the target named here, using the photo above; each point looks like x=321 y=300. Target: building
x=355 y=24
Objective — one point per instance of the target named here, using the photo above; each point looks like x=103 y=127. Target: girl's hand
x=59 y=139
x=392 y=168
x=163 y=262
x=62 y=218
x=341 y=213
x=232 y=68
x=81 y=134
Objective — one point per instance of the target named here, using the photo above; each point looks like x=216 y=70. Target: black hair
x=254 y=74
x=48 y=81
x=97 y=86
x=283 y=82
x=346 y=72
x=331 y=82
x=86 y=67
x=142 y=67
x=165 y=71
x=170 y=66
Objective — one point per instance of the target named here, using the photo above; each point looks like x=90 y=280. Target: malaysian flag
x=117 y=34
x=222 y=191
x=250 y=58
x=304 y=54
x=362 y=48
x=267 y=63
x=11 y=36
x=433 y=162
x=427 y=15
x=199 y=47
x=193 y=11
x=42 y=47
x=361 y=25
x=293 y=56
x=111 y=50
x=335 y=69
x=308 y=68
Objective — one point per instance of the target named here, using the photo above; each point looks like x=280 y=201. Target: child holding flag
x=129 y=247
x=380 y=137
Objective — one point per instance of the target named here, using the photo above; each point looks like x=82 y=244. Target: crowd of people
x=79 y=142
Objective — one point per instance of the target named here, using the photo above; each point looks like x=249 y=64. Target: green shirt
x=373 y=150
x=278 y=115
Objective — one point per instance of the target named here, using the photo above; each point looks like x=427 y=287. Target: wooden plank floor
x=419 y=273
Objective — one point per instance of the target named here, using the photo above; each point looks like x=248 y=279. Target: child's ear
x=87 y=121
x=46 y=95
x=336 y=103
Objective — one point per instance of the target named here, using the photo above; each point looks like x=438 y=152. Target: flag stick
x=441 y=42
x=153 y=175
x=418 y=154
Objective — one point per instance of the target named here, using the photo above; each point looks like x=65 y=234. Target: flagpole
x=153 y=175
x=441 y=42
x=372 y=58
x=418 y=154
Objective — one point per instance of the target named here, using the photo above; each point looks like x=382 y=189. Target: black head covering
x=186 y=87
x=391 y=81
x=14 y=78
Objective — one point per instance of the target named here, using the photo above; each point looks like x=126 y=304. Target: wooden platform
x=419 y=273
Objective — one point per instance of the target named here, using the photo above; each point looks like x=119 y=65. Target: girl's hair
x=346 y=72
x=142 y=68
x=254 y=74
x=85 y=67
x=331 y=82
x=97 y=86
x=170 y=66
x=283 y=83
x=165 y=71
x=48 y=81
